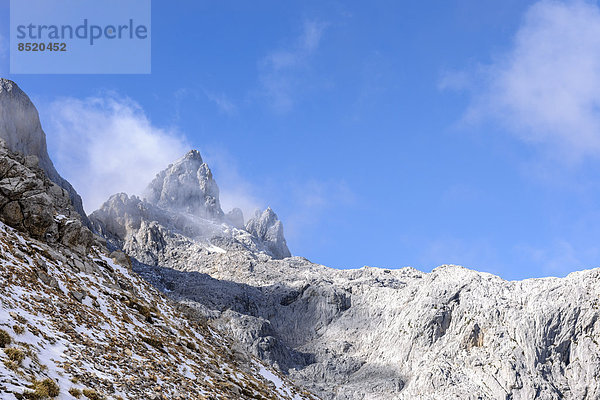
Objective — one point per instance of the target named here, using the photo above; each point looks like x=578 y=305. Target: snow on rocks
x=123 y=339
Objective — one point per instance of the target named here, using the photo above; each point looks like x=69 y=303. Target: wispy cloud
x=308 y=201
x=105 y=145
x=300 y=204
x=280 y=71
x=560 y=258
x=223 y=103
x=546 y=88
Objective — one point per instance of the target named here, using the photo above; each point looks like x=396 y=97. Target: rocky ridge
x=379 y=333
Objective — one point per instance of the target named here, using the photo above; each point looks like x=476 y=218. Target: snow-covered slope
x=87 y=322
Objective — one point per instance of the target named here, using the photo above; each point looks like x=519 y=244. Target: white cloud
x=280 y=70
x=546 y=89
x=299 y=204
x=105 y=145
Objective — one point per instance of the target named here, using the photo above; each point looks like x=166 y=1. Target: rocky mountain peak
x=269 y=229
x=187 y=186
x=21 y=130
x=193 y=155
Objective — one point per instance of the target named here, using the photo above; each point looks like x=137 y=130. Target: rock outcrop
x=403 y=334
x=269 y=229
x=235 y=218
x=21 y=130
x=32 y=203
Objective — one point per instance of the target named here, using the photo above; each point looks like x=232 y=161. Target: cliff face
x=22 y=133
x=381 y=334
x=187 y=186
x=269 y=229
x=32 y=203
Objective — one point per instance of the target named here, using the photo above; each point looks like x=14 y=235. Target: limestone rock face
x=30 y=202
x=368 y=333
x=402 y=334
x=268 y=228
x=21 y=130
x=186 y=186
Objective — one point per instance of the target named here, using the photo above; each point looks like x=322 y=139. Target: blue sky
x=384 y=133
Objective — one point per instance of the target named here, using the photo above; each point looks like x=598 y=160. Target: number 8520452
x=42 y=47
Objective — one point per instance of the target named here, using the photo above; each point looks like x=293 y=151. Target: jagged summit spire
x=188 y=186
x=175 y=198
x=193 y=155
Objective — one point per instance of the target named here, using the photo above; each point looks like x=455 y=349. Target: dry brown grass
x=5 y=339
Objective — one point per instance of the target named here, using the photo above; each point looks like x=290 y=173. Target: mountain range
x=194 y=301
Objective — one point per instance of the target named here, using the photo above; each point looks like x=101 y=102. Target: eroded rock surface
x=186 y=186
x=381 y=334
x=269 y=229
x=32 y=203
